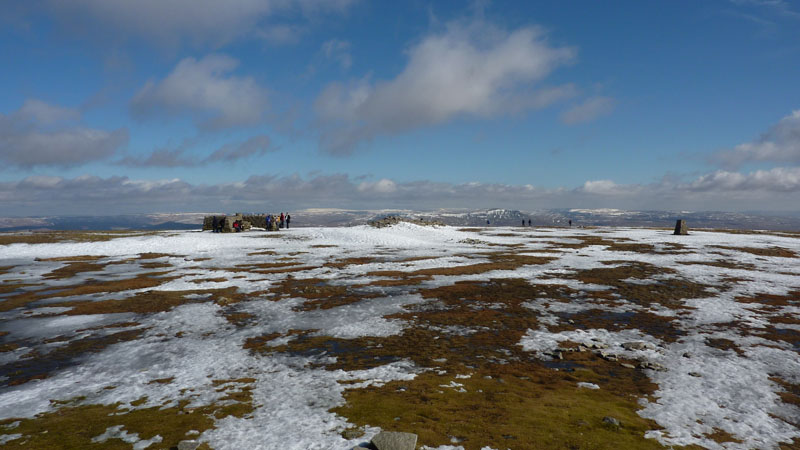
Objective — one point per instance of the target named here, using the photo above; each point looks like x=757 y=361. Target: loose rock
x=188 y=445
x=394 y=440
x=638 y=346
x=611 y=421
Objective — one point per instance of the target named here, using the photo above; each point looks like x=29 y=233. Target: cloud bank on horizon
x=171 y=106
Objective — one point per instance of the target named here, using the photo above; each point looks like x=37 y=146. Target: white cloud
x=41 y=134
x=382 y=186
x=339 y=51
x=779 y=179
x=593 y=108
x=256 y=145
x=781 y=7
x=196 y=22
x=205 y=90
x=781 y=143
x=162 y=157
x=604 y=187
x=180 y=156
x=469 y=69
x=776 y=190
x=45 y=113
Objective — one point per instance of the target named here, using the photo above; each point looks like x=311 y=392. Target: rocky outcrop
x=393 y=220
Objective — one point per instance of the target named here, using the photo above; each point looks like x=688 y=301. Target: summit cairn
x=394 y=220
x=681 y=228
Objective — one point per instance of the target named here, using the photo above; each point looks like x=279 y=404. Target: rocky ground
x=472 y=338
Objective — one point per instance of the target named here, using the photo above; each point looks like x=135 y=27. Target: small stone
x=394 y=440
x=695 y=374
x=352 y=433
x=188 y=445
x=628 y=366
x=687 y=355
x=637 y=346
x=611 y=421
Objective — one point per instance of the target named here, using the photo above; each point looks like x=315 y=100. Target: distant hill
x=494 y=217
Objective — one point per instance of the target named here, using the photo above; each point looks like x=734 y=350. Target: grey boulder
x=188 y=445
x=394 y=440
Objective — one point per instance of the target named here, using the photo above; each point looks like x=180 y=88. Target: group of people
x=529 y=222
x=274 y=223
x=217 y=223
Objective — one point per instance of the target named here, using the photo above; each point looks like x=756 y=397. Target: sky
x=116 y=107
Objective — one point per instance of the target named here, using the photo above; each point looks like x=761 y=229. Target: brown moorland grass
x=318 y=294
x=511 y=397
x=497 y=261
x=35 y=365
x=49 y=237
x=73 y=268
x=761 y=251
x=357 y=261
x=654 y=325
x=141 y=281
x=72 y=258
x=771 y=301
x=667 y=292
x=73 y=425
x=720 y=263
x=143 y=302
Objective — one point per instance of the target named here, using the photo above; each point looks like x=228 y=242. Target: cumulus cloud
x=256 y=145
x=41 y=134
x=778 y=179
x=604 y=187
x=196 y=22
x=469 y=69
x=591 y=109
x=781 y=143
x=207 y=91
x=776 y=189
x=162 y=157
x=180 y=156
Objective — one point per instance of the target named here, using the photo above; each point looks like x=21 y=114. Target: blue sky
x=153 y=106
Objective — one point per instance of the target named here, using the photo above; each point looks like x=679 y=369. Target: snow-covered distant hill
x=481 y=217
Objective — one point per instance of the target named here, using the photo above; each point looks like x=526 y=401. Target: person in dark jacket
x=214 y=224
x=288 y=219
x=268 y=219
x=529 y=222
x=222 y=221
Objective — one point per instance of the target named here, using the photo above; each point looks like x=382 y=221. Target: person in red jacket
x=282 y=218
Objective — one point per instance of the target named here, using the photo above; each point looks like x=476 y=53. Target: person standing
x=570 y=222
x=529 y=222
x=214 y=224
x=281 y=223
x=266 y=219
x=288 y=219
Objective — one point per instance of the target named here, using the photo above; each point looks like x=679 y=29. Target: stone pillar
x=681 y=228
